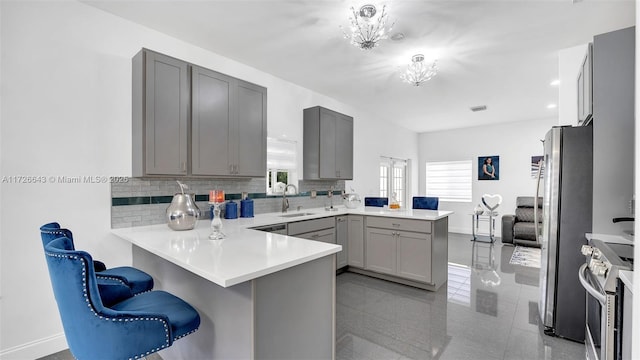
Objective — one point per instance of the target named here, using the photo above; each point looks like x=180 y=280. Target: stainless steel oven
x=599 y=277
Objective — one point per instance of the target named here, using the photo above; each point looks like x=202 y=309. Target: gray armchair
x=520 y=228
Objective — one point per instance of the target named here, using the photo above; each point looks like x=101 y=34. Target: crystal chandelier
x=418 y=71
x=367 y=29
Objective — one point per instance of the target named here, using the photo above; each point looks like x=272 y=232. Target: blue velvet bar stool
x=131 y=328
x=425 y=202
x=135 y=280
x=376 y=201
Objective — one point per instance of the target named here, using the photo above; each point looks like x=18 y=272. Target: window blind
x=281 y=154
x=449 y=180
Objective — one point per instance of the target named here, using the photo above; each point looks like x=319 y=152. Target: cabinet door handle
x=395 y=225
x=341 y=220
x=315 y=236
x=183 y=166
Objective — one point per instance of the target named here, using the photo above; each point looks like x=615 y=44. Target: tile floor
x=486 y=311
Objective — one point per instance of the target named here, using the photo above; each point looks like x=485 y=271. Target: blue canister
x=231 y=210
x=246 y=208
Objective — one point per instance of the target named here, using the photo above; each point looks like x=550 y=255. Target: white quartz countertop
x=627 y=278
x=242 y=256
x=609 y=238
x=247 y=254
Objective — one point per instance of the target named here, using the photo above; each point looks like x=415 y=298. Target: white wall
x=514 y=142
x=635 y=351
x=569 y=64
x=66 y=111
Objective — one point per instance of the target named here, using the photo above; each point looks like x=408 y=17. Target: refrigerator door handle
x=535 y=202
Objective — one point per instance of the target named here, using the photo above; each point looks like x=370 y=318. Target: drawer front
x=422 y=226
x=306 y=226
x=327 y=235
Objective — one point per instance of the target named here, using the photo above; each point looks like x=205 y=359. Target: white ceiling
x=502 y=54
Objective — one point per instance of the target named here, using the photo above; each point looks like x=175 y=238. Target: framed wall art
x=489 y=167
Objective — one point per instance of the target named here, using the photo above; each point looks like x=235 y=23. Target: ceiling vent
x=478 y=108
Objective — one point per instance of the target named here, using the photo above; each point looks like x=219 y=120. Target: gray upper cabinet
x=250 y=144
x=614 y=128
x=229 y=126
x=188 y=120
x=160 y=114
x=210 y=121
x=328 y=144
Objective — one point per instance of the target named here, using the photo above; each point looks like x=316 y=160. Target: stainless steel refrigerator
x=567 y=216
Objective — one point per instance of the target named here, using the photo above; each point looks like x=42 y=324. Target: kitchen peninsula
x=266 y=295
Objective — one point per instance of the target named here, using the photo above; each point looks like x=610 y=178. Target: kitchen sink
x=296 y=215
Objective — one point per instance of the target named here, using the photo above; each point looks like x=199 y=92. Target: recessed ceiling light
x=478 y=108
x=555 y=82
x=552 y=106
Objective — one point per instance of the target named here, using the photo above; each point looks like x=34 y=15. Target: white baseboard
x=459 y=230
x=464 y=230
x=36 y=349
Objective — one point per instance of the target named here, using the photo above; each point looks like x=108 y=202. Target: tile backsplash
x=144 y=201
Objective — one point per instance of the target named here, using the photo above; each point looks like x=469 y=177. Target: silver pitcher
x=183 y=212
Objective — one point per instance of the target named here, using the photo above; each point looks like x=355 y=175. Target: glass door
x=393 y=179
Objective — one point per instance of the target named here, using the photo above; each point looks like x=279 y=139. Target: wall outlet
x=313 y=194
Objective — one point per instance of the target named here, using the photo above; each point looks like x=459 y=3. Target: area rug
x=526 y=256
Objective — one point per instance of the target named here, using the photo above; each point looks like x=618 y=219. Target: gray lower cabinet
x=323 y=229
x=160 y=114
x=405 y=248
x=355 y=243
x=226 y=135
x=413 y=256
x=327 y=145
x=381 y=251
x=342 y=238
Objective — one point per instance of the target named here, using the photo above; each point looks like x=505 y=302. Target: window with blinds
x=449 y=180
x=282 y=160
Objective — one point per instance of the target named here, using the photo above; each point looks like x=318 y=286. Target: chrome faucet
x=285 y=202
